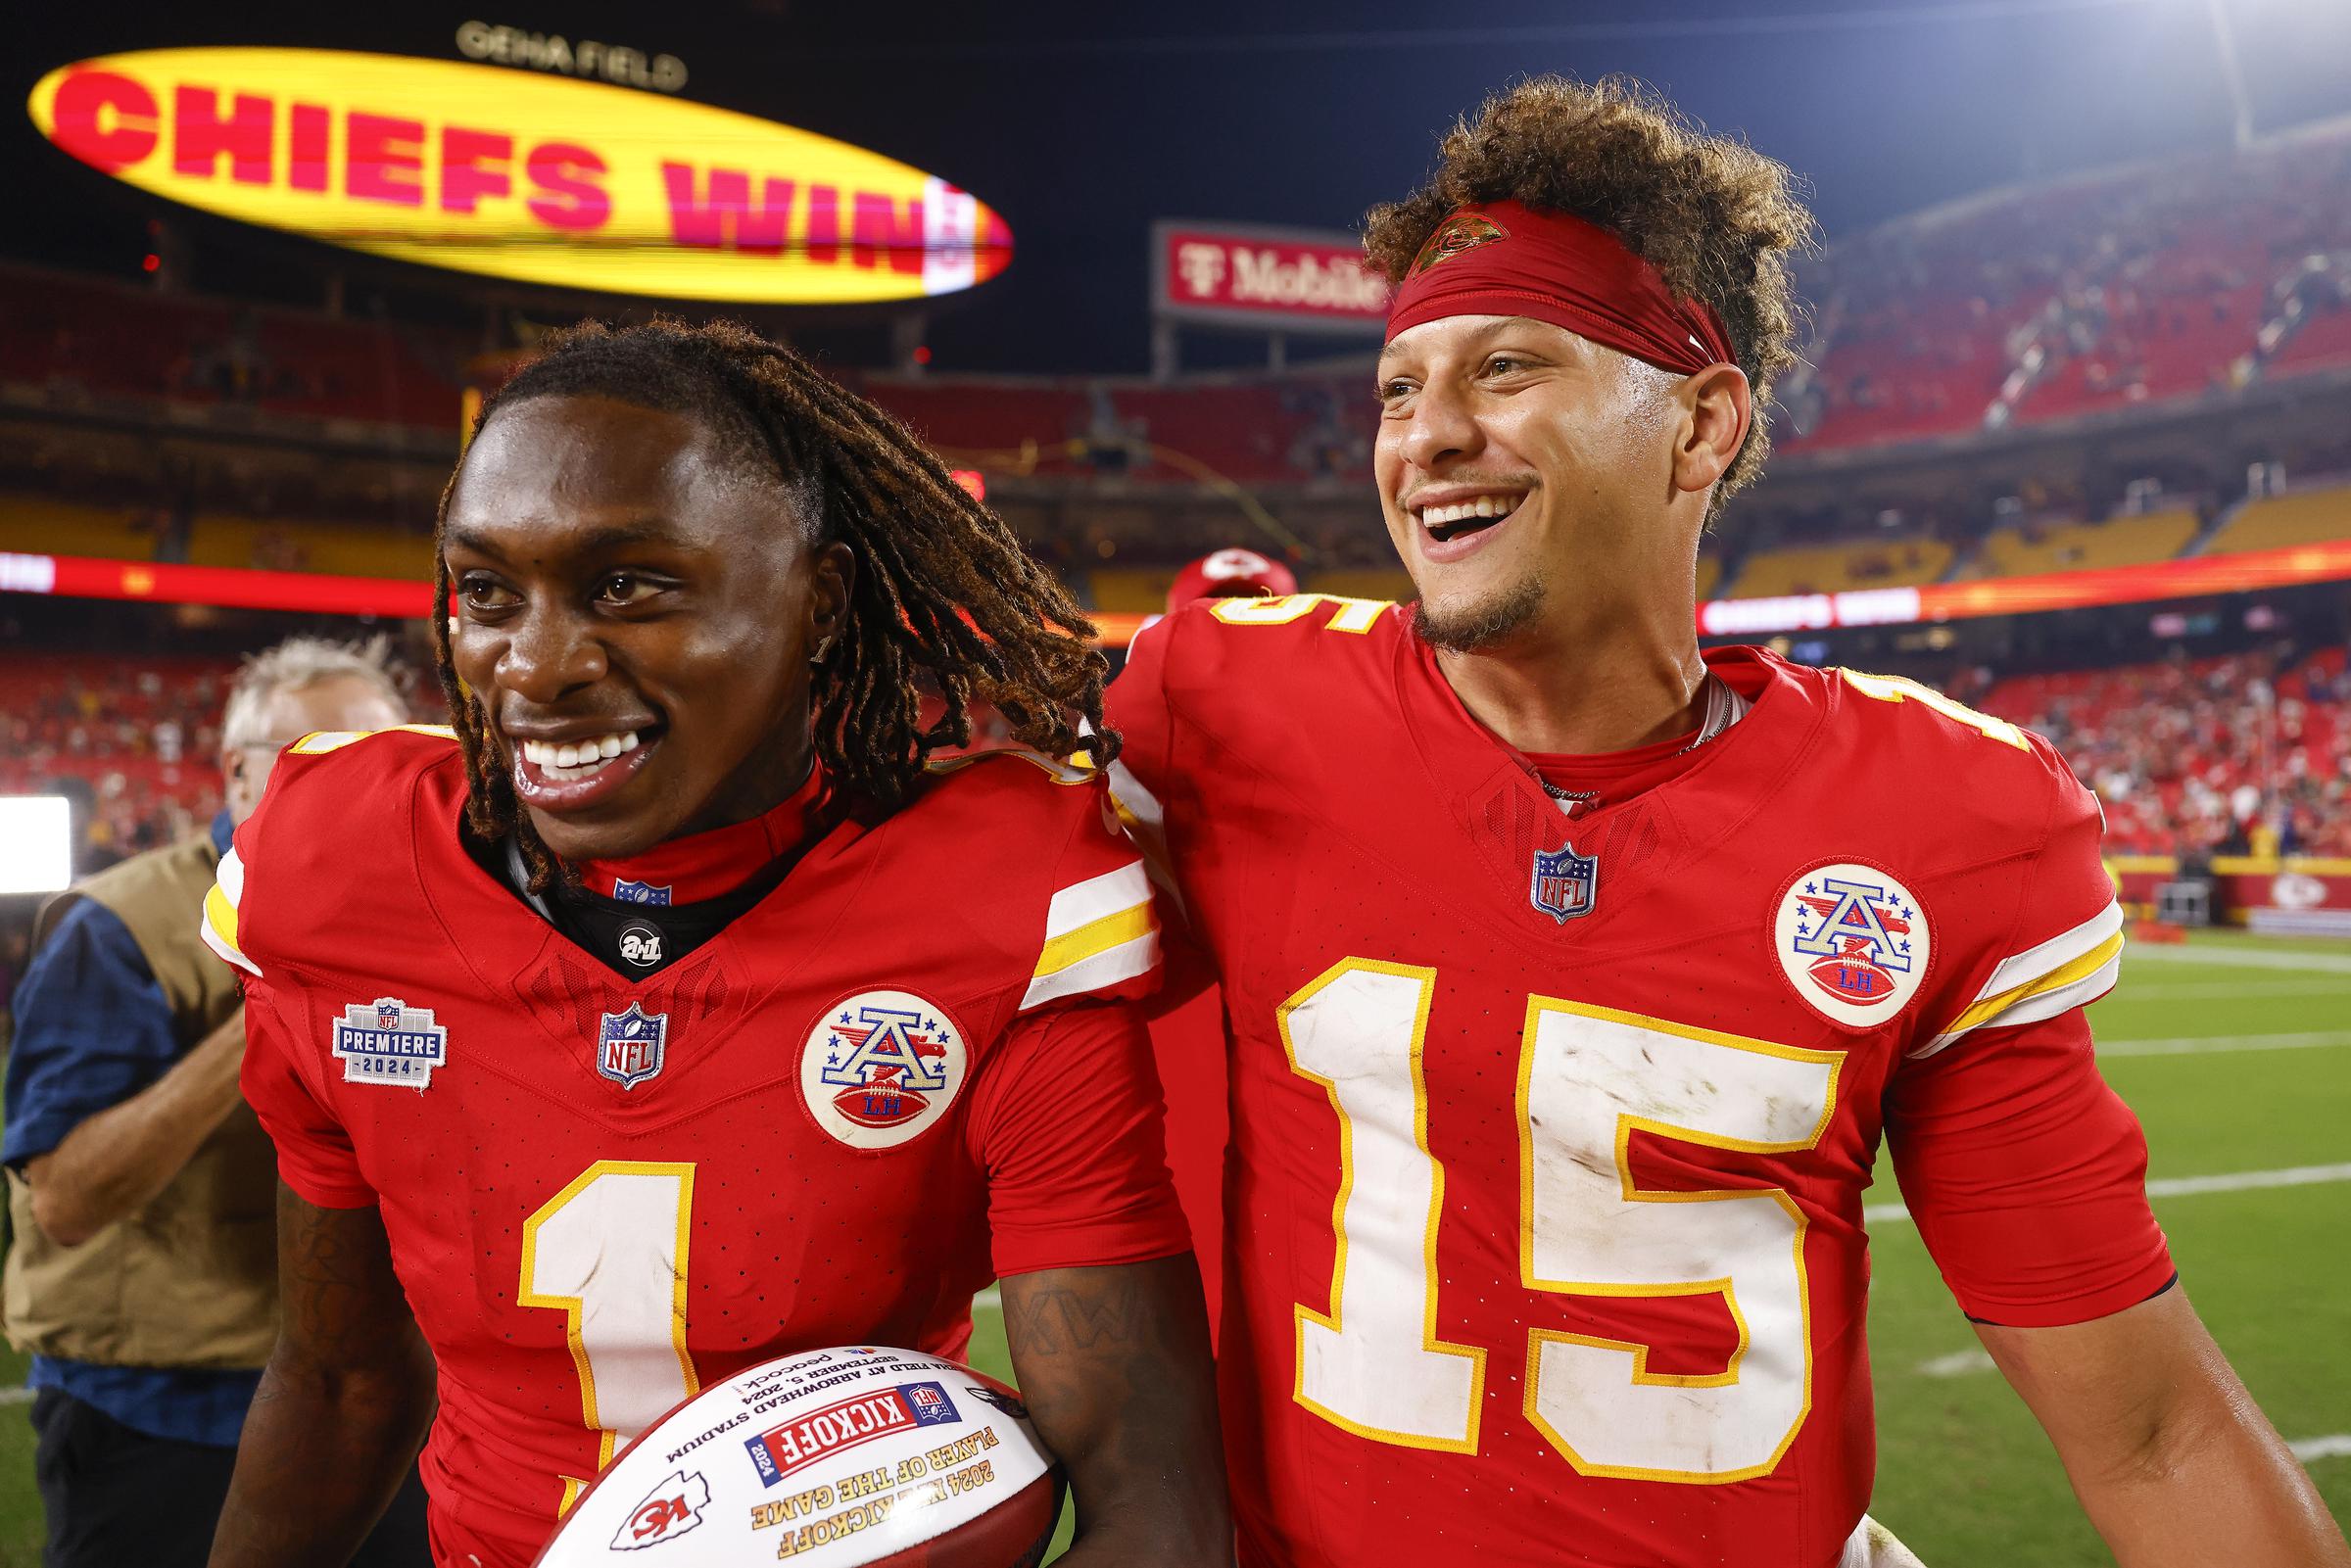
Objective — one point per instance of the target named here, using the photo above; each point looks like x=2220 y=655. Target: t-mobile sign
x=1275 y=279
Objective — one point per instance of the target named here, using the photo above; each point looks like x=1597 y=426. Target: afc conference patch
x=880 y=1068
x=1565 y=884
x=1853 y=942
x=388 y=1041
x=632 y=1046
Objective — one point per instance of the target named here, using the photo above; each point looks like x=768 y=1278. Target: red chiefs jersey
x=905 y=1071
x=1550 y=1138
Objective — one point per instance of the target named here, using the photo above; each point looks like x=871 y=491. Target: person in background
x=141 y=1274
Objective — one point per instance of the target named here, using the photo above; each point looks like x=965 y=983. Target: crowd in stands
x=134 y=740
x=140 y=739
x=2246 y=753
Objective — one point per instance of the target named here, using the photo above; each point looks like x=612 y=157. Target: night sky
x=1081 y=123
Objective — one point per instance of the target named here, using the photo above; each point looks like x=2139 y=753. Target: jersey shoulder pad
x=1053 y=876
x=1221 y=655
x=1997 y=776
x=2001 y=798
x=337 y=801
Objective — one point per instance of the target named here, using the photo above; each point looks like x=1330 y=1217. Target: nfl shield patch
x=628 y=893
x=632 y=1046
x=1565 y=883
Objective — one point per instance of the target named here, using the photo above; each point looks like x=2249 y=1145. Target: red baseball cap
x=1230 y=574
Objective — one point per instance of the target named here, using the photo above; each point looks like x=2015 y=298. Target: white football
x=841 y=1458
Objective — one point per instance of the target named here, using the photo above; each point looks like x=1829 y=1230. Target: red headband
x=1508 y=258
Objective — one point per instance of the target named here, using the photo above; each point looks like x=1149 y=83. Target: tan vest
x=191 y=1279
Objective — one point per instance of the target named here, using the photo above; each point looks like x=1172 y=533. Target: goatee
x=1470 y=628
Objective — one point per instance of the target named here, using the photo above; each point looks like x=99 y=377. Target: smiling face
x=1519 y=465
x=635 y=607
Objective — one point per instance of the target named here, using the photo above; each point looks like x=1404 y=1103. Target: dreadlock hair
x=942 y=585
x=1716 y=218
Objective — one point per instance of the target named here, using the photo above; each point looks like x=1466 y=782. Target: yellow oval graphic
x=538 y=178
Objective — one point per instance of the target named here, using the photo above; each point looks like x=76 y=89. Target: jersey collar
x=707 y=865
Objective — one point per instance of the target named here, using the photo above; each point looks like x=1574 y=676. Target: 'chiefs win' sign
x=536 y=178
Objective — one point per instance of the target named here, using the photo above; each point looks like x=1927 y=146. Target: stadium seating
x=2323 y=343
x=2139 y=285
x=2303 y=517
x=1836 y=567
x=66 y=333
x=2026 y=549
x=40 y=525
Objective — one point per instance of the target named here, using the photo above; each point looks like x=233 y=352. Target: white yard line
x=16 y=1395
x=1959 y=1363
x=2184 y=1186
x=2204 y=1044
x=2248 y=958
x=989 y=1300
x=2337 y=1447
x=2193 y=990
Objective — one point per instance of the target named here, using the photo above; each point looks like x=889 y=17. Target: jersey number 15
x=1588 y=1080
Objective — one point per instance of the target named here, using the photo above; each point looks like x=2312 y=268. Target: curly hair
x=942 y=585
x=1716 y=218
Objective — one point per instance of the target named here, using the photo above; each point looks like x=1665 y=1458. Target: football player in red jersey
x=671 y=1014
x=1573 y=977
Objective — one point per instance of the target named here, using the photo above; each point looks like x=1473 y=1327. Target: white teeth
x=1475 y=507
x=578 y=758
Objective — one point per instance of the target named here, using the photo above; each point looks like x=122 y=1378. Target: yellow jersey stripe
x=1126 y=961
x=2064 y=975
x=218 y=929
x=1095 y=937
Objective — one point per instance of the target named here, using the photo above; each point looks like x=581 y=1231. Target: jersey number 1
x=1588 y=1080
x=608 y=1252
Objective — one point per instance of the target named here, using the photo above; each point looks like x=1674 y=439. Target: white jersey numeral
x=1373 y=1363
x=1587 y=1229
x=609 y=1253
x=1589 y=1080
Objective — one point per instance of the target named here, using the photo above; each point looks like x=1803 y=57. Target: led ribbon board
x=541 y=179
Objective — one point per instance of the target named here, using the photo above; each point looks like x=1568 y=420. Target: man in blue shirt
x=141 y=1271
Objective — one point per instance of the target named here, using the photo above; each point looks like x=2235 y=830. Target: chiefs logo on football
x=880 y=1068
x=667 y=1512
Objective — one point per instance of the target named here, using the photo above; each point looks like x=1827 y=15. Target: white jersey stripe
x=1083 y=903
x=230 y=874
x=2054 y=954
x=2038 y=1006
x=1107 y=968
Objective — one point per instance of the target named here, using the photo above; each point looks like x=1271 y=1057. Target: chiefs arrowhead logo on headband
x=1463 y=232
x=1509 y=259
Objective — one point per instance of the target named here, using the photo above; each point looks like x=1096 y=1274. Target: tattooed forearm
x=1046 y=1319
x=338 y=1297
x=1115 y=1367
x=342 y=1407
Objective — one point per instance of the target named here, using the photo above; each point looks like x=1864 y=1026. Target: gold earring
x=823 y=649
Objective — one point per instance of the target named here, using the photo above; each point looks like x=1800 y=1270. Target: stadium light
x=36 y=843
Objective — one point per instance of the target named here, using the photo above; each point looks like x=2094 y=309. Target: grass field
x=2236 y=1055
